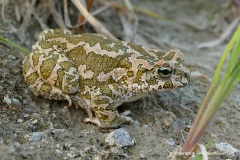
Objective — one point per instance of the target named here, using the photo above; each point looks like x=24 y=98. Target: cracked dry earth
x=36 y=128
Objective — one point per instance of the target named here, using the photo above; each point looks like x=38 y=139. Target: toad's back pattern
x=98 y=73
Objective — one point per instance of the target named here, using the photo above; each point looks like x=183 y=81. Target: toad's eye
x=164 y=72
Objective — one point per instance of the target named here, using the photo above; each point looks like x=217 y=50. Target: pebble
x=16 y=102
x=119 y=138
x=56 y=131
x=170 y=142
x=36 y=136
x=19 y=120
x=11 y=101
x=226 y=148
x=7 y=100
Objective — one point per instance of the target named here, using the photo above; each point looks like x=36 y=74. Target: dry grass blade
x=57 y=17
x=153 y=40
x=10 y=28
x=127 y=18
x=26 y=19
x=150 y=13
x=40 y=21
x=203 y=151
x=81 y=18
x=225 y=35
x=99 y=28
x=4 y=4
x=66 y=14
x=17 y=12
x=89 y=4
x=30 y=7
x=101 y=9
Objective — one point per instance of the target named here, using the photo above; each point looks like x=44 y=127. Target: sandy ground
x=36 y=128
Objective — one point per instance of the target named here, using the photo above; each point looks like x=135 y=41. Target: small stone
x=119 y=138
x=19 y=120
x=7 y=100
x=142 y=156
x=11 y=57
x=16 y=102
x=97 y=158
x=73 y=154
x=146 y=126
x=34 y=121
x=59 y=146
x=226 y=148
x=1 y=88
x=136 y=122
x=167 y=119
x=67 y=145
x=59 y=152
x=25 y=115
x=56 y=131
x=36 y=136
x=170 y=142
x=17 y=145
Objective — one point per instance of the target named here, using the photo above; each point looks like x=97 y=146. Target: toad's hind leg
x=51 y=74
x=81 y=102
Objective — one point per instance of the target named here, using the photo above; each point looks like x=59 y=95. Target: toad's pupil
x=164 y=71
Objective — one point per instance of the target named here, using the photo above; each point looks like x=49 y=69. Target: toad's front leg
x=105 y=101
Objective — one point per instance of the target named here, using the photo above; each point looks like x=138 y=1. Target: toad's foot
x=80 y=102
x=107 y=123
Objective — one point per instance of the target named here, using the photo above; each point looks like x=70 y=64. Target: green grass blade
x=224 y=56
x=5 y=41
x=222 y=92
x=209 y=143
x=230 y=78
x=235 y=52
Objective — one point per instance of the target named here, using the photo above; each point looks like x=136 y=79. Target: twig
x=66 y=14
x=131 y=16
x=17 y=12
x=11 y=30
x=27 y=17
x=126 y=19
x=4 y=4
x=42 y=24
x=99 y=28
x=204 y=151
x=152 y=39
x=101 y=9
x=57 y=17
x=225 y=35
x=81 y=18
